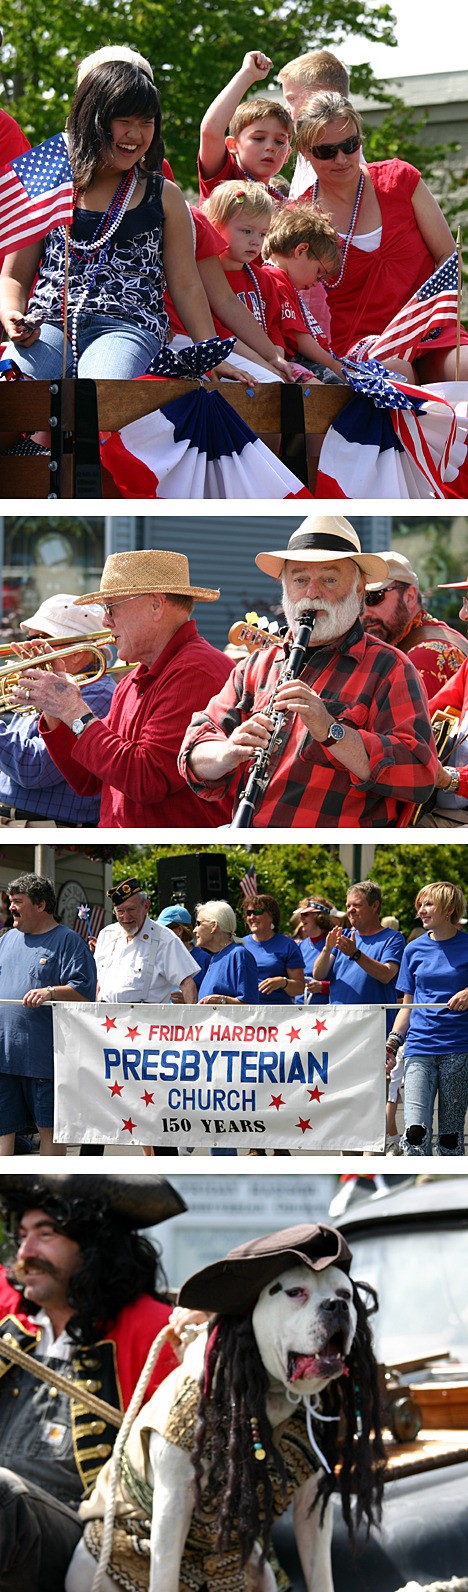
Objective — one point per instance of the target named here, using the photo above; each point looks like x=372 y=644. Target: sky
x=431 y=38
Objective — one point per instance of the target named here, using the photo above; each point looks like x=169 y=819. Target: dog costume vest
x=202 y=1564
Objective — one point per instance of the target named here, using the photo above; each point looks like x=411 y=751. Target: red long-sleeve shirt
x=367 y=685
x=454 y=694
x=131 y=756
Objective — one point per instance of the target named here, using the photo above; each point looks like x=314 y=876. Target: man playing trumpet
x=356 y=747
x=32 y=789
x=146 y=599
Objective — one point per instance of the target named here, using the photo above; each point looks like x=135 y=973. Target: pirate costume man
x=52 y=1446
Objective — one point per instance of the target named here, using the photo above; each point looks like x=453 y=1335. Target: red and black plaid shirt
x=367 y=685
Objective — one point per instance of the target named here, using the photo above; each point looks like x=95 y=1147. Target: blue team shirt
x=232 y=971
x=351 y=986
x=31 y=961
x=310 y=950
x=433 y=970
x=203 y=958
x=273 y=958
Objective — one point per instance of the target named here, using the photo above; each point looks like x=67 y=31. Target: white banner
x=243 y=1077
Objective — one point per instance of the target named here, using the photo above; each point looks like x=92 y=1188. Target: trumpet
x=95 y=644
x=260 y=773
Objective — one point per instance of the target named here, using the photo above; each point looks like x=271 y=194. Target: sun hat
x=175 y=914
x=231 y=1286
x=139 y=574
x=139 y=1201
x=112 y=52
x=321 y=539
x=399 y=568
x=58 y=616
x=453 y=585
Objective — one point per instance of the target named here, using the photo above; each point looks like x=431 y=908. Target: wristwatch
x=79 y=725
x=454 y=780
x=357 y=954
x=336 y=731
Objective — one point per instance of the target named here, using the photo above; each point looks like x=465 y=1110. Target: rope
x=114 y=1464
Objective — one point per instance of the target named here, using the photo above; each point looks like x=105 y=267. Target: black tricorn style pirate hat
x=230 y=1287
x=137 y=1201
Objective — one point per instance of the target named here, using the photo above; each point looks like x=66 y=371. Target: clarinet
x=260 y=773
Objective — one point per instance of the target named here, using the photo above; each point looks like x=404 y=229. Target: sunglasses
x=373 y=599
x=254 y=912
x=348 y=146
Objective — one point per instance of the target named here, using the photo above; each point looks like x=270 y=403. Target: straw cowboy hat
x=137 y=1201
x=139 y=574
x=321 y=539
x=232 y=1286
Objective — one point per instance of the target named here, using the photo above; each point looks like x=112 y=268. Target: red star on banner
x=148 y=1098
x=115 y=1088
x=108 y=1023
x=129 y=1126
x=319 y=1026
x=315 y=1094
x=277 y=1101
x=132 y=1033
x=303 y=1125
x=294 y=1033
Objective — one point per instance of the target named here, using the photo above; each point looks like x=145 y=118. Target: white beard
x=334 y=619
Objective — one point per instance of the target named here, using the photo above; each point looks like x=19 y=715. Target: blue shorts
x=25 y=1103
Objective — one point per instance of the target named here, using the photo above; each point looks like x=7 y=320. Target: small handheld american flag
x=418 y=324
x=36 y=194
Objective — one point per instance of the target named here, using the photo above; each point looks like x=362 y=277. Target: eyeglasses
x=108 y=608
x=373 y=599
x=254 y=912
x=348 y=146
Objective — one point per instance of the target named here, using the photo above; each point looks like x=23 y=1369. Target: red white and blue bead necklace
x=97 y=247
x=350 y=232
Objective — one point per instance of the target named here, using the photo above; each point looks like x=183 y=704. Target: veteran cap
x=127 y=887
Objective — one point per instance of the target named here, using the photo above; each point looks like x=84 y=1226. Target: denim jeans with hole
x=428 y=1076
x=107 y=348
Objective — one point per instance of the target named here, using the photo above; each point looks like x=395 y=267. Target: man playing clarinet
x=355 y=747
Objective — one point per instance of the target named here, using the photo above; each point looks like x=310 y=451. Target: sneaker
x=393 y=1144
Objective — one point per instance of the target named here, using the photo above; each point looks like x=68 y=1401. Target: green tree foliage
x=289 y=872
x=194 y=47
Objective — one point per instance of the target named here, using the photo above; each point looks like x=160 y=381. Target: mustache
x=22 y=1267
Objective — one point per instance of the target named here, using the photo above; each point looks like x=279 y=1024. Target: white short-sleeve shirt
x=146 y=968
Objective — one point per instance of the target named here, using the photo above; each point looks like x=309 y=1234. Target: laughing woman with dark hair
x=131 y=231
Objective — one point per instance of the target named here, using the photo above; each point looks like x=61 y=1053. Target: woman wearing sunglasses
x=278 y=957
x=393 y=233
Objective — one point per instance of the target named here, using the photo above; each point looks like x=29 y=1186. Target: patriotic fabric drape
x=394 y=441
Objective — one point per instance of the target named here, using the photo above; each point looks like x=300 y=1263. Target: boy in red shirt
x=259 y=139
x=302 y=249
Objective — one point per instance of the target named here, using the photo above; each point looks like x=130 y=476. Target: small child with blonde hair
x=302 y=250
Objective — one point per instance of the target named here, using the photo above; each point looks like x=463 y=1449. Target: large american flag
x=36 y=194
x=249 y=883
x=416 y=327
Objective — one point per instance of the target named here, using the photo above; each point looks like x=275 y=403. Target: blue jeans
x=107 y=348
x=426 y=1077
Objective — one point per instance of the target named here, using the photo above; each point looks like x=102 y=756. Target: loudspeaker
x=200 y=876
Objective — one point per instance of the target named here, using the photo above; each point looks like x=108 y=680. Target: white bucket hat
x=59 y=616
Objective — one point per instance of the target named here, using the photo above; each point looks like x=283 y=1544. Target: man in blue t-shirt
x=40 y=962
x=362 y=962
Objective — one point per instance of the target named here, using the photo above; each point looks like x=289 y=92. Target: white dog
x=297 y=1341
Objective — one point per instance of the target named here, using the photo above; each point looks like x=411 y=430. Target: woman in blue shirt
x=278 y=958
x=434 y=969
x=231 y=977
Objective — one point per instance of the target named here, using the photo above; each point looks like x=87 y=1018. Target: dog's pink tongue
x=309 y=1365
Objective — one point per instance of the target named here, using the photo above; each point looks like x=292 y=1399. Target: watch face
x=336 y=732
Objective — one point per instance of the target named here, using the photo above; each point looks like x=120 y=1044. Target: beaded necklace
x=350 y=232
x=275 y=193
x=261 y=311
x=97 y=248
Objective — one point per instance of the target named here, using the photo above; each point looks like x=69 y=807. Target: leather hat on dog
x=137 y=1201
x=231 y=1287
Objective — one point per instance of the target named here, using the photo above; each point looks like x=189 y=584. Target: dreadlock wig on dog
x=232 y=1411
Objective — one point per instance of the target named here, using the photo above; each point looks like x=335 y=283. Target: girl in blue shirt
x=434 y=969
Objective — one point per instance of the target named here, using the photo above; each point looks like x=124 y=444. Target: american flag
x=36 y=194
x=418 y=324
x=249 y=883
x=89 y=921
